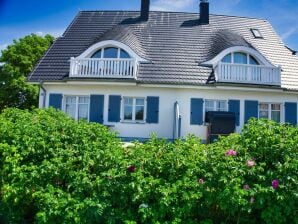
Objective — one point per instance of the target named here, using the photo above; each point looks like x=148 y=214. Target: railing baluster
x=103 y=67
x=254 y=74
x=121 y=68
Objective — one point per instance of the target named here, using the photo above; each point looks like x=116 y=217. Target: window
x=77 y=107
x=240 y=58
x=133 y=109
x=256 y=33
x=215 y=105
x=270 y=111
x=111 y=52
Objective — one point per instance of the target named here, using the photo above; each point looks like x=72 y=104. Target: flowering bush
x=53 y=168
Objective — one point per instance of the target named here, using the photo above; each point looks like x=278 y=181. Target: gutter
x=44 y=94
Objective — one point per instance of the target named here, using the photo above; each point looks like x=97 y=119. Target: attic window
x=256 y=33
x=111 y=52
x=240 y=58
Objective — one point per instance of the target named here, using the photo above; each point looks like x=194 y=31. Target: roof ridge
x=180 y=12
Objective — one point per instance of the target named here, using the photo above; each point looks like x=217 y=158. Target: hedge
x=56 y=170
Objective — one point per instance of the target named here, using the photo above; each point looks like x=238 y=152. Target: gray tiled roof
x=173 y=43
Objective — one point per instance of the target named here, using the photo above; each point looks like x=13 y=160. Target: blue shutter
x=114 y=108
x=234 y=106
x=55 y=101
x=251 y=109
x=96 y=108
x=152 y=109
x=291 y=113
x=196 y=111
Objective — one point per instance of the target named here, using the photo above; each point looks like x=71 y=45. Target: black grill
x=220 y=124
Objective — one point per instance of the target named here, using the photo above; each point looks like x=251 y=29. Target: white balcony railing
x=103 y=68
x=251 y=74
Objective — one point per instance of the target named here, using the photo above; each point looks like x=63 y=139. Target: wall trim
x=200 y=87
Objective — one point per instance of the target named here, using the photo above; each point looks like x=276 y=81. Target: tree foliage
x=19 y=60
x=53 y=168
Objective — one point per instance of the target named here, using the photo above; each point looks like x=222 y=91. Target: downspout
x=44 y=94
x=177 y=122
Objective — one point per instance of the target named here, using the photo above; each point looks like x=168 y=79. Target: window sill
x=133 y=122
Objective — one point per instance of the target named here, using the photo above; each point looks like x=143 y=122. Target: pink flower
x=231 y=152
x=131 y=169
x=246 y=187
x=250 y=163
x=275 y=184
x=201 y=181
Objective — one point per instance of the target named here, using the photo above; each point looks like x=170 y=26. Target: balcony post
x=217 y=71
x=135 y=69
x=72 y=65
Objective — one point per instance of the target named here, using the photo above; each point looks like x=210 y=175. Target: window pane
x=83 y=111
x=209 y=105
x=240 y=58
x=253 y=61
x=70 y=99
x=264 y=106
x=275 y=107
x=221 y=105
x=264 y=114
x=275 y=116
x=111 y=52
x=256 y=33
x=84 y=100
x=128 y=101
x=227 y=59
x=139 y=102
x=127 y=112
x=139 y=113
x=124 y=54
x=97 y=54
x=71 y=110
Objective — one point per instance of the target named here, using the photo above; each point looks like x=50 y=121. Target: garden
x=56 y=170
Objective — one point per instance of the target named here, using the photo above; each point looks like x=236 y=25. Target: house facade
x=160 y=72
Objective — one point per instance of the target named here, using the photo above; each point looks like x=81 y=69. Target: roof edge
x=182 y=12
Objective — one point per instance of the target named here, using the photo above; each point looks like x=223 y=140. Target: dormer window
x=240 y=58
x=111 y=52
x=242 y=64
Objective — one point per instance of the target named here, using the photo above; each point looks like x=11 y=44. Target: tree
x=19 y=60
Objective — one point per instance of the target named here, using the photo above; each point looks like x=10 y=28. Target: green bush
x=56 y=170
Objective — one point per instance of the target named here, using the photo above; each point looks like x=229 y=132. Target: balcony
x=103 y=68
x=250 y=74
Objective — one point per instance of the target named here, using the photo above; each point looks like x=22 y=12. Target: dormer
x=106 y=59
x=237 y=61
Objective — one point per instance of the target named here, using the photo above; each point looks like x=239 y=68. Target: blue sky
x=22 y=17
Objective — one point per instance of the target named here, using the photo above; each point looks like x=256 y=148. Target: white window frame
x=118 y=52
x=247 y=58
x=270 y=110
x=76 y=105
x=256 y=54
x=215 y=101
x=110 y=43
x=133 y=109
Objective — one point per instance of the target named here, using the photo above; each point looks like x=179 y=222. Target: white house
x=159 y=72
